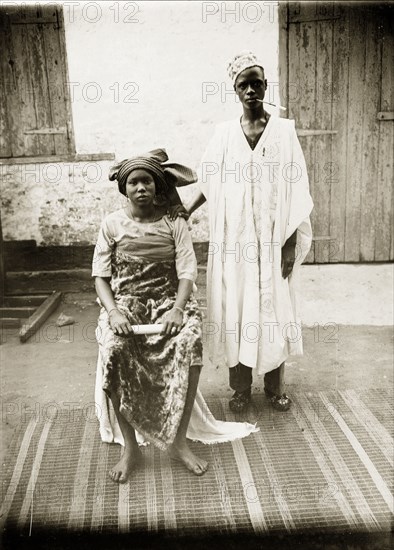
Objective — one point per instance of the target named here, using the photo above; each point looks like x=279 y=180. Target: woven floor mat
x=326 y=465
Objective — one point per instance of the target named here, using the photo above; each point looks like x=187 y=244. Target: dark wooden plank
x=10 y=322
x=43 y=282
x=20 y=246
x=371 y=97
x=322 y=143
x=25 y=301
x=52 y=258
x=384 y=237
x=34 y=292
x=19 y=312
x=357 y=79
x=39 y=317
x=340 y=80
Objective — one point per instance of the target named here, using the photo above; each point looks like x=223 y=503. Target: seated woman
x=145 y=267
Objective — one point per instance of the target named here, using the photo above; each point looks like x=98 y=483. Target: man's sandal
x=240 y=401
x=278 y=402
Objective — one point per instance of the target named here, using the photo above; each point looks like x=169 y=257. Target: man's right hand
x=177 y=211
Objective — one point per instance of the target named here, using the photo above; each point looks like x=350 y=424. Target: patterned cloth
x=149 y=373
x=144 y=262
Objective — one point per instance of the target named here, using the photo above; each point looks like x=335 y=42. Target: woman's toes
x=203 y=467
x=124 y=468
x=199 y=471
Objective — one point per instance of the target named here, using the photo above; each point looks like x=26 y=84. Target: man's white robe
x=256 y=200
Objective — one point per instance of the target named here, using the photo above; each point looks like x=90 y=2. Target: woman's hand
x=119 y=323
x=177 y=211
x=173 y=322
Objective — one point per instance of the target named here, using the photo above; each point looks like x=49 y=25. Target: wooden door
x=336 y=73
x=35 y=115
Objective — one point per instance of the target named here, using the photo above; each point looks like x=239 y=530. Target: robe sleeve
x=300 y=200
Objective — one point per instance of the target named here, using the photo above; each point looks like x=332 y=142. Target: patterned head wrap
x=166 y=176
x=242 y=61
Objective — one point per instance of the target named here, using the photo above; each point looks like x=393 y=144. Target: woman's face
x=140 y=187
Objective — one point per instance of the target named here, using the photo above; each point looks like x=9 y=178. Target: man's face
x=250 y=86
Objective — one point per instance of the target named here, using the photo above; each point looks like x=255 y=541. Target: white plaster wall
x=139 y=85
x=169 y=53
x=56 y=203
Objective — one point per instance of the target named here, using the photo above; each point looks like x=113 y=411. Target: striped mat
x=324 y=466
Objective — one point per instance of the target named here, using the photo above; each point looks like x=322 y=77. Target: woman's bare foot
x=182 y=453
x=130 y=459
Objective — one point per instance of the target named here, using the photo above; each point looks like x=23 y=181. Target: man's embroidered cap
x=242 y=61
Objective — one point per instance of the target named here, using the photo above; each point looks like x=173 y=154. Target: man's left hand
x=288 y=259
x=177 y=211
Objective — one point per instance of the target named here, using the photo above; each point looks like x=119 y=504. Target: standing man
x=253 y=175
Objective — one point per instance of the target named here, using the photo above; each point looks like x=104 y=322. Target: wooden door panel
x=302 y=105
x=322 y=143
x=57 y=87
x=35 y=93
x=384 y=235
x=341 y=58
x=5 y=145
x=370 y=138
x=339 y=121
x=354 y=137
